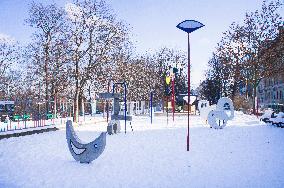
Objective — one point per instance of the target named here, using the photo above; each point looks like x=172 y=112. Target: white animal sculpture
x=226 y=104
x=217 y=115
x=224 y=111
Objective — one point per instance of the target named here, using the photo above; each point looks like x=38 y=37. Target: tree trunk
x=76 y=106
x=46 y=61
x=246 y=89
x=55 y=106
x=82 y=106
x=234 y=90
x=46 y=87
x=77 y=89
x=254 y=95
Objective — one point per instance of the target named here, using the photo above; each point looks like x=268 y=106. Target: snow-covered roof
x=192 y=99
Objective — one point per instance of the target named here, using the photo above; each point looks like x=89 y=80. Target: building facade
x=271 y=91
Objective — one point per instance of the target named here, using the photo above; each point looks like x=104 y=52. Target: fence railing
x=23 y=124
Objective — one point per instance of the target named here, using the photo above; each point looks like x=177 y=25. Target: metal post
x=167 y=110
x=151 y=104
x=107 y=104
x=125 y=110
x=188 y=90
x=55 y=107
x=189 y=26
x=173 y=98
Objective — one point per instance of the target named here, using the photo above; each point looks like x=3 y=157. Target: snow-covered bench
x=278 y=120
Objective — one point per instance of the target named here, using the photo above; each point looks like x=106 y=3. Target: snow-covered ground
x=246 y=153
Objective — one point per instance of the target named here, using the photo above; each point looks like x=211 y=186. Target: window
x=2 y=107
x=274 y=96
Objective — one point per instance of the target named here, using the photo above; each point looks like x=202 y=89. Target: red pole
x=188 y=90
x=167 y=109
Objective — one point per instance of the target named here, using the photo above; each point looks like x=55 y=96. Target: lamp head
x=189 y=25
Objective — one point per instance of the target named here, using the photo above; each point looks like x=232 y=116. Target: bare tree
x=251 y=52
x=261 y=27
x=48 y=21
x=95 y=37
x=230 y=52
x=168 y=60
x=8 y=57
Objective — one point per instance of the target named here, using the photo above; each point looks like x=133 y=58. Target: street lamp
x=189 y=26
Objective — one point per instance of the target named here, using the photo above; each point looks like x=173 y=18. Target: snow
x=192 y=99
x=246 y=153
x=73 y=11
x=278 y=119
x=267 y=114
x=6 y=39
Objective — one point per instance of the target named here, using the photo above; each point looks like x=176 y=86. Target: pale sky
x=153 y=23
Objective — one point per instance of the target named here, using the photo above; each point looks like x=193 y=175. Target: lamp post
x=39 y=103
x=173 y=95
x=189 y=26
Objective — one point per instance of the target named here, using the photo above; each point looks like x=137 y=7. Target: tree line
x=247 y=53
x=77 y=50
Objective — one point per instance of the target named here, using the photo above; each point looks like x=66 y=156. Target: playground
x=245 y=153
